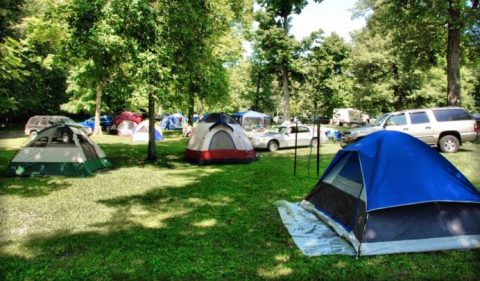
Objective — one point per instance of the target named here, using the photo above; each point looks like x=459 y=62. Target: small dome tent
x=61 y=149
x=173 y=122
x=218 y=138
x=125 y=128
x=140 y=133
x=390 y=192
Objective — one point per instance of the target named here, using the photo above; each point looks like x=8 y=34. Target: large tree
x=98 y=48
x=424 y=29
x=274 y=38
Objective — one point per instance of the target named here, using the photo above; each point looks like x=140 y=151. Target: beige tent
x=218 y=138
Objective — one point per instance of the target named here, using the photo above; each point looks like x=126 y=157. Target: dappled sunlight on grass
x=205 y=223
x=282 y=258
x=13 y=143
x=276 y=272
x=173 y=220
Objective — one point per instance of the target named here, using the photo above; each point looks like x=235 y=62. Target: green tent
x=62 y=149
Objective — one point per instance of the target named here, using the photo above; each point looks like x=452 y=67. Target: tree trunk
x=201 y=108
x=257 y=99
x=453 y=53
x=152 y=152
x=398 y=93
x=286 y=94
x=97 y=130
x=191 y=104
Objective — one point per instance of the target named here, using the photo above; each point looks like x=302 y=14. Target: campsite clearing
x=174 y=220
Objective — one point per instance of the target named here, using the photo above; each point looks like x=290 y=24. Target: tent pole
x=310 y=156
x=318 y=148
x=295 y=159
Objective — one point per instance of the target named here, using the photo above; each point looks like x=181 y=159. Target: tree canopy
x=103 y=56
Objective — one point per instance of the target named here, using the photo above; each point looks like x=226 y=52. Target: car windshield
x=380 y=119
x=277 y=130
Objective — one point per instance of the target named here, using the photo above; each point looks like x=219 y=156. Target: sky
x=329 y=15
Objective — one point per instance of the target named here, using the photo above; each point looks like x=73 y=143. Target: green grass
x=174 y=220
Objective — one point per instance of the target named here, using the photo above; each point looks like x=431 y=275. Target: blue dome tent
x=173 y=122
x=390 y=192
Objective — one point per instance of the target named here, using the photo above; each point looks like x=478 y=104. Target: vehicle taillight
x=475 y=127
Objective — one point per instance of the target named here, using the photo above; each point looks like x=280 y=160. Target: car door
x=289 y=137
x=397 y=122
x=43 y=123
x=421 y=126
x=304 y=136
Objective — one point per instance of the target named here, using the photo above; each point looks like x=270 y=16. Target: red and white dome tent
x=218 y=138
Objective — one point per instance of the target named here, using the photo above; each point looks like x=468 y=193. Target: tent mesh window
x=214 y=117
x=340 y=194
x=62 y=137
x=41 y=142
x=221 y=140
x=87 y=147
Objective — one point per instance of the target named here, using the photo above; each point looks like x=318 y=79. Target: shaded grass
x=174 y=220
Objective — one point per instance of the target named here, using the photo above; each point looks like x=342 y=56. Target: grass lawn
x=173 y=220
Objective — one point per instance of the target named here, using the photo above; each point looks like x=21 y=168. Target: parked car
x=349 y=117
x=284 y=136
x=39 y=122
x=105 y=122
x=447 y=127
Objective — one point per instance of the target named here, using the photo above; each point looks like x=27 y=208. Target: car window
x=380 y=119
x=419 y=117
x=302 y=129
x=277 y=130
x=451 y=114
x=44 y=121
x=397 y=120
x=33 y=121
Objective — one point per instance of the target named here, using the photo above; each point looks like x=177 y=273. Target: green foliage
x=10 y=11
x=326 y=67
x=12 y=72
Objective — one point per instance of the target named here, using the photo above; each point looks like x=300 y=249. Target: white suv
x=444 y=127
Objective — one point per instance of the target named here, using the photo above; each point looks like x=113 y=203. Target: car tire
x=449 y=144
x=272 y=146
x=33 y=134
x=314 y=142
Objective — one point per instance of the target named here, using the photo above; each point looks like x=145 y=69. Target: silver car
x=444 y=127
x=284 y=136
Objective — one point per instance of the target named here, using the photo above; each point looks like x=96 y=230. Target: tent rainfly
x=390 y=192
x=61 y=149
x=218 y=138
x=252 y=120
